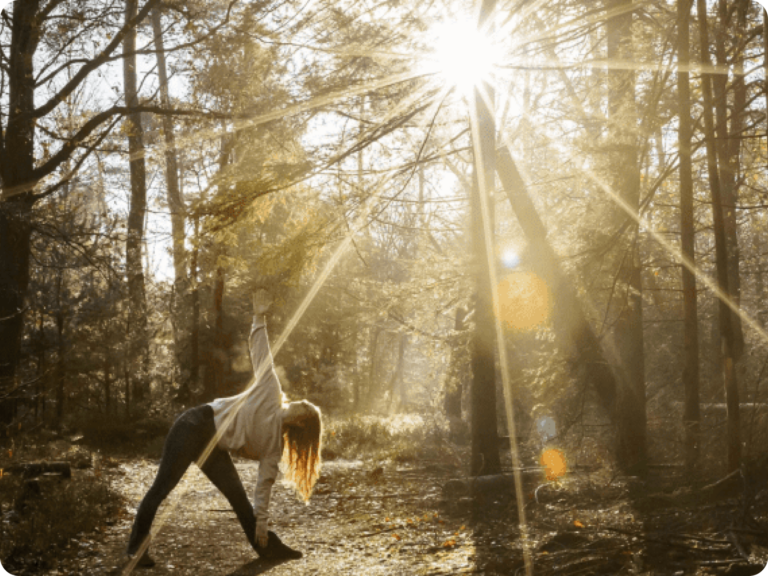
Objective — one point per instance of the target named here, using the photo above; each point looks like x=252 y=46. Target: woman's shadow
x=258 y=566
x=272 y=555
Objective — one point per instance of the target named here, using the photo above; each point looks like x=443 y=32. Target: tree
x=622 y=119
x=181 y=321
x=23 y=172
x=485 y=444
x=691 y=414
x=729 y=145
x=727 y=337
x=138 y=334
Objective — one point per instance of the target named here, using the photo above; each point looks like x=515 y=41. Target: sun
x=463 y=56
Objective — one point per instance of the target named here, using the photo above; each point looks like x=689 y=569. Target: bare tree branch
x=43 y=14
x=66 y=150
x=67 y=177
x=142 y=51
x=102 y=58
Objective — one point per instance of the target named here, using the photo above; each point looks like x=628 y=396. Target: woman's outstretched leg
x=185 y=442
x=221 y=471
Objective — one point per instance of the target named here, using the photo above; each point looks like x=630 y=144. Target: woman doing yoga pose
x=257 y=424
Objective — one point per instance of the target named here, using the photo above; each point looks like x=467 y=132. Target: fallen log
x=492 y=484
x=34 y=469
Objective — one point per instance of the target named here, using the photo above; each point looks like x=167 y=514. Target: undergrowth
x=36 y=528
x=400 y=438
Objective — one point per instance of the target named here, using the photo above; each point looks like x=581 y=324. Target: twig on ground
x=368 y=534
x=736 y=544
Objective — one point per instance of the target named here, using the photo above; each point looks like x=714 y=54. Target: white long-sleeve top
x=252 y=422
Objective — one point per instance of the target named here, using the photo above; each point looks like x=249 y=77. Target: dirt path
x=366 y=519
x=385 y=520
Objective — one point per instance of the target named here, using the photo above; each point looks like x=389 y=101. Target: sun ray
x=542 y=64
x=595 y=17
x=670 y=248
x=502 y=349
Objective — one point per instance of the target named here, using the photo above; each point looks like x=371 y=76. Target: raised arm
x=261 y=355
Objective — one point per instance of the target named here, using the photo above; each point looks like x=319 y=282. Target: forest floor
x=393 y=518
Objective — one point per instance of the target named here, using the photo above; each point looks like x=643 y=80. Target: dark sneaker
x=276 y=550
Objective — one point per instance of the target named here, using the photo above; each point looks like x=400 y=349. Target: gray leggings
x=186 y=440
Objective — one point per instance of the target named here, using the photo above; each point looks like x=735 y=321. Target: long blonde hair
x=302 y=453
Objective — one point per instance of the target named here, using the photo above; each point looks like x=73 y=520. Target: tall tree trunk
x=485 y=444
x=454 y=385
x=728 y=148
x=396 y=387
x=598 y=365
x=218 y=360
x=180 y=304
x=366 y=397
x=59 y=370
x=107 y=386
x=17 y=142
x=138 y=337
x=765 y=62
x=691 y=414
x=184 y=391
x=127 y=380
x=40 y=370
x=220 y=338
x=173 y=190
x=758 y=248
x=628 y=330
x=721 y=252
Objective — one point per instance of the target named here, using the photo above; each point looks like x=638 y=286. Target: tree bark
x=728 y=150
x=765 y=62
x=138 y=336
x=454 y=386
x=184 y=391
x=396 y=383
x=107 y=387
x=175 y=200
x=59 y=371
x=691 y=413
x=216 y=383
x=721 y=252
x=17 y=143
x=220 y=338
x=15 y=244
x=628 y=331
x=485 y=444
x=180 y=311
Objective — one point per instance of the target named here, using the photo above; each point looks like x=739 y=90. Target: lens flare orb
x=510 y=258
x=554 y=463
x=524 y=301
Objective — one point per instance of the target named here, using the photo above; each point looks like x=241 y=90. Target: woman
x=258 y=424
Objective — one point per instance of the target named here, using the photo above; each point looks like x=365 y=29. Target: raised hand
x=262 y=300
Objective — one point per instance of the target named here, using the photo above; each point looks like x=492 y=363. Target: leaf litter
x=394 y=519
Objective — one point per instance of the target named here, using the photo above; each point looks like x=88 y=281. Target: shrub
x=402 y=438
x=32 y=534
